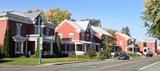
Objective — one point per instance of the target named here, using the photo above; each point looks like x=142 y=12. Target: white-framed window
x=47 y=32
x=36 y=29
x=71 y=36
x=121 y=42
x=18 y=47
x=61 y=35
x=83 y=36
x=87 y=36
x=18 y=27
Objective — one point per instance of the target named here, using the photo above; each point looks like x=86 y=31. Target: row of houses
x=129 y=44
x=76 y=36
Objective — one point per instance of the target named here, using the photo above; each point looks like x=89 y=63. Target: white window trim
x=18 y=28
x=71 y=36
x=61 y=35
x=19 y=46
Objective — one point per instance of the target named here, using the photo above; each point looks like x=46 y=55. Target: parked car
x=121 y=55
x=149 y=54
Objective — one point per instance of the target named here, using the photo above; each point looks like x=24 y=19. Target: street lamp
x=40 y=37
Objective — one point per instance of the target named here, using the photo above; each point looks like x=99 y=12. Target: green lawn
x=33 y=61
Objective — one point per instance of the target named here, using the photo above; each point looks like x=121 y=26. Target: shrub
x=105 y=53
x=57 y=49
x=134 y=55
x=91 y=52
x=36 y=54
x=7 y=48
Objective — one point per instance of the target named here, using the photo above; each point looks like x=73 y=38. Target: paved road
x=143 y=64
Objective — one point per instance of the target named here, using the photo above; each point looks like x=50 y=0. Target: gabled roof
x=32 y=15
x=79 y=25
x=82 y=24
x=124 y=35
x=100 y=31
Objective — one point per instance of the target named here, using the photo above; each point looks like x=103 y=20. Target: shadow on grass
x=4 y=61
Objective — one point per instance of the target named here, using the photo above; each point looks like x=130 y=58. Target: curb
x=62 y=63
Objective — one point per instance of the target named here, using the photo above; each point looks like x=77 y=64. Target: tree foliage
x=7 y=48
x=57 y=47
x=36 y=54
x=151 y=17
x=107 y=41
x=112 y=38
x=57 y=15
x=126 y=31
x=105 y=53
x=93 y=22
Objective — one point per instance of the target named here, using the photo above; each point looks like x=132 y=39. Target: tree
x=57 y=49
x=126 y=31
x=93 y=22
x=57 y=15
x=111 y=31
x=7 y=48
x=36 y=54
x=151 y=17
x=112 y=38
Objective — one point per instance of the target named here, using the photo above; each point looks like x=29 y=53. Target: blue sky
x=113 y=13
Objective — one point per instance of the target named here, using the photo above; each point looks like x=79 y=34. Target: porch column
x=85 y=49
x=65 y=48
x=75 y=45
x=51 y=48
x=22 y=47
x=15 y=47
x=26 y=48
x=99 y=48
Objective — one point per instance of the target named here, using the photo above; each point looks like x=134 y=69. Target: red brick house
x=24 y=31
x=77 y=37
x=125 y=42
x=147 y=46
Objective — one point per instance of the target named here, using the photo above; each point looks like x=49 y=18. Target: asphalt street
x=142 y=64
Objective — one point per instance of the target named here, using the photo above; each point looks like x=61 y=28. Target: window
x=47 y=32
x=82 y=36
x=18 y=27
x=18 y=47
x=61 y=35
x=36 y=29
x=87 y=36
x=71 y=36
x=145 y=45
x=145 y=50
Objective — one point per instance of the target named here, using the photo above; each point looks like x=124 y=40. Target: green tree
x=7 y=48
x=57 y=15
x=93 y=22
x=57 y=47
x=126 y=31
x=36 y=54
x=151 y=17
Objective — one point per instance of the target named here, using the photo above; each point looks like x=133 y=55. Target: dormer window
x=18 y=27
x=47 y=32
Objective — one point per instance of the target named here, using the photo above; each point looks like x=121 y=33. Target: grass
x=135 y=56
x=33 y=61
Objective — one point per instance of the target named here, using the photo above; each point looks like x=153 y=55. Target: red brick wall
x=141 y=46
x=3 y=25
x=65 y=29
x=121 y=41
x=151 y=46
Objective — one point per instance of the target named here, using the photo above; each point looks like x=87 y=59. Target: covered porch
x=78 y=48
x=47 y=44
